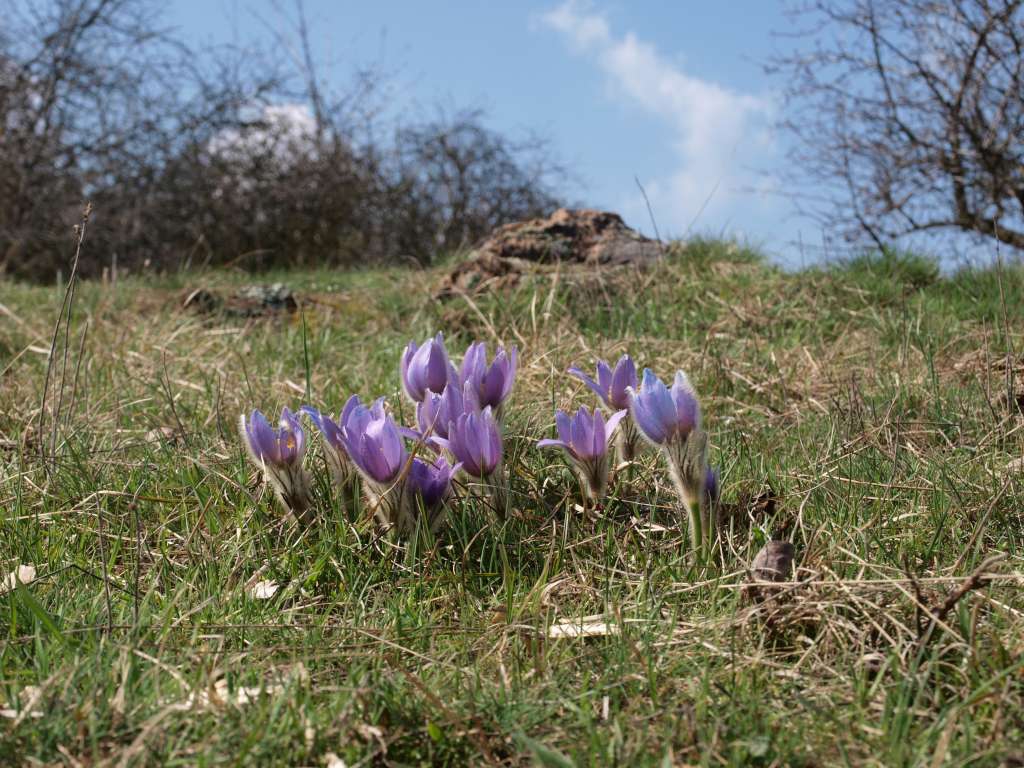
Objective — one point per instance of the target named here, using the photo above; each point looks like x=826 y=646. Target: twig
x=78 y=369
x=103 y=563
x=978 y=579
x=65 y=308
x=650 y=212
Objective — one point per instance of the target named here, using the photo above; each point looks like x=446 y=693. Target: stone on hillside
x=248 y=301
x=774 y=563
x=581 y=236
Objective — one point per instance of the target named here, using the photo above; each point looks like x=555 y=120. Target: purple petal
x=646 y=421
x=510 y=371
x=594 y=386
x=598 y=439
x=658 y=401
x=473 y=363
x=612 y=423
x=578 y=437
x=548 y=443
x=407 y=356
x=604 y=375
x=293 y=437
x=711 y=488
x=623 y=377
x=262 y=439
x=377 y=409
x=411 y=434
x=685 y=405
x=564 y=426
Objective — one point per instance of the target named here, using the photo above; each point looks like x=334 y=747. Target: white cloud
x=721 y=136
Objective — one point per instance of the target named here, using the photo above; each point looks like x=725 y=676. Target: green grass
x=871 y=397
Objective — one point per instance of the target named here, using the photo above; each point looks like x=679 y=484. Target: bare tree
x=910 y=115
x=95 y=99
x=469 y=179
x=216 y=156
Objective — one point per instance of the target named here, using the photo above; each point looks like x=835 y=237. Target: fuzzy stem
x=498 y=487
x=291 y=487
x=390 y=505
x=627 y=440
x=692 y=506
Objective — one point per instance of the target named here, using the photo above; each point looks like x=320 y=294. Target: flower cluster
x=457 y=415
x=406 y=472
x=668 y=418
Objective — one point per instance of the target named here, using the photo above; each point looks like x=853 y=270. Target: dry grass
x=867 y=402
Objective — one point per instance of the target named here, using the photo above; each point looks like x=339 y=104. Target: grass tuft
x=860 y=411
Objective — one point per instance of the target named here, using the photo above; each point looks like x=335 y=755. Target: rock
x=202 y=301
x=254 y=300
x=248 y=301
x=581 y=236
x=482 y=271
x=584 y=236
x=773 y=563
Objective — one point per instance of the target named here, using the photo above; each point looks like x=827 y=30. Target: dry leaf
x=1017 y=465
x=24 y=574
x=331 y=760
x=29 y=696
x=584 y=626
x=263 y=590
x=220 y=696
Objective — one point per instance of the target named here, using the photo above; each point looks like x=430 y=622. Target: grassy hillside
x=865 y=412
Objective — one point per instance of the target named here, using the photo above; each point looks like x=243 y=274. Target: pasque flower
x=430 y=484
x=490 y=384
x=337 y=455
x=664 y=416
x=374 y=442
x=426 y=367
x=670 y=419
x=475 y=441
x=712 y=486
x=585 y=438
x=279 y=454
x=436 y=411
x=612 y=386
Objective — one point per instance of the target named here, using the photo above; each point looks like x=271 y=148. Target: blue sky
x=670 y=92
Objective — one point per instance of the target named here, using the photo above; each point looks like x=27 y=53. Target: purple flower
x=431 y=482
x=585 y=438
x=373 y=441
x=491 y=384
x=426 y=367
x=332 y=432
x=436 y=411
x=282 y=447
x=475 y=441
x=664 y=416
x=612 y=386
x=711 y=486
x=279 y=453
x=670 y=419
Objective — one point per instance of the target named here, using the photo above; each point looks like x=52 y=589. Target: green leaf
x=434 y=732
x=546 y=756
x=29 y=603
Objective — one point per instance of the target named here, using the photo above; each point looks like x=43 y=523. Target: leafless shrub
x=462 y=180
x=910 y=114
x=213 y=157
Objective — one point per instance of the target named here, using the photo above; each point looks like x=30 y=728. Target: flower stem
x=497 y=488
x=693 y=509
